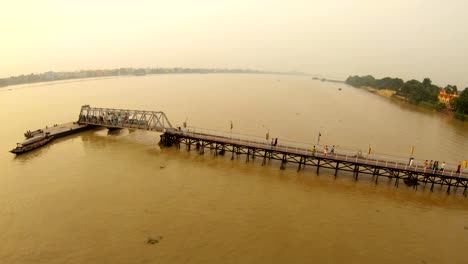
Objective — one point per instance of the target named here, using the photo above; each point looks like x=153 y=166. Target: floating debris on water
x=153 y=241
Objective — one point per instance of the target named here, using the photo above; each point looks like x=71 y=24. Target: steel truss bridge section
x=124 y=118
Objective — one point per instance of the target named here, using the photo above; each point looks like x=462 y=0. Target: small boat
x=32 y=143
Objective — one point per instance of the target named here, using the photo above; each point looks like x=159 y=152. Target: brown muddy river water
x=96 y=197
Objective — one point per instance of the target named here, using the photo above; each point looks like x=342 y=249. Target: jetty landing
x=61 y=130
x=35 y=139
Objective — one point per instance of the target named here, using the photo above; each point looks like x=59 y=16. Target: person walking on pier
x=442 y=166
x=431 y=165
x=332 y=151
x=325 y=150
x=425 y=164
x=276 y=141
x=458 y=168
x=313 y=151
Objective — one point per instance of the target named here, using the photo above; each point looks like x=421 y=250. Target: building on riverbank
x=446 y=98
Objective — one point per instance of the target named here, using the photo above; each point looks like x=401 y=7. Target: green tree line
x=422 y=93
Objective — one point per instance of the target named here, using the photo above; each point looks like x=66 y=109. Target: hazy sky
x=337 y=38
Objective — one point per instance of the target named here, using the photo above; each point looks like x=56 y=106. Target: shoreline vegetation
x=424 y=94
x=51 y=76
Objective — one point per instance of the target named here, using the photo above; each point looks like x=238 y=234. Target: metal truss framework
x=377 y=169
x=124 y=118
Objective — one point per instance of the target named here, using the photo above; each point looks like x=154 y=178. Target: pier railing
x=300 y=148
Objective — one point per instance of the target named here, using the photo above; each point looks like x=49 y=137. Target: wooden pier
x=302 y=157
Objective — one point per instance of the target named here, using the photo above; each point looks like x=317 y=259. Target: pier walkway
x=303 y=156
x=252 y=148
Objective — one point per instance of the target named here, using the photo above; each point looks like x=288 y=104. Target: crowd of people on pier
x=435 y=166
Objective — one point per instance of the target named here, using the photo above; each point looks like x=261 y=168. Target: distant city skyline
x=335 y=38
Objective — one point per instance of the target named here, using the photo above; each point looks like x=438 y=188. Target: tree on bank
x=413 y=90
x=460 y=104
x=451 y=89
x=364 y=81
x=417 y=92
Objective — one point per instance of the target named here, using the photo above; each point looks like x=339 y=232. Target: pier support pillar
x=300 y=164
x=223 y=150
x=202 y=149
x=336 y=168
x=318 y=165
x=356 y=172
x=283 y=162
x=397 y=181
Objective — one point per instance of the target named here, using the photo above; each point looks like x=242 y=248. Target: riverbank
x=392 y=95
x=424 y=94
x=51 y=76
x=382 y=92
